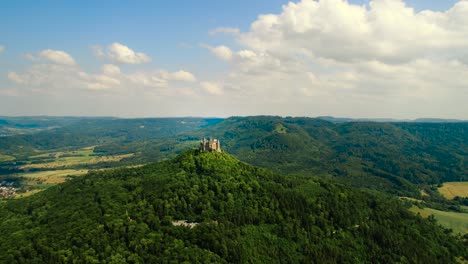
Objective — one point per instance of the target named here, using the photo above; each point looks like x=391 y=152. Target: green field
x=458 y=222
x=4 y=158
x=452 y=189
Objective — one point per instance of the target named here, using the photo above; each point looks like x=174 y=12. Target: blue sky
x=176 y=36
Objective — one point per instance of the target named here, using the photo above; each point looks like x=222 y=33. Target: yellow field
x=51 y=177
x=458 y=222
x=452 y=189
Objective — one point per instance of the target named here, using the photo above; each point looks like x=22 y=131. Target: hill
x=393 y=157
x=210 y=207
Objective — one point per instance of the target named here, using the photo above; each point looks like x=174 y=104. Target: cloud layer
x=120 y=53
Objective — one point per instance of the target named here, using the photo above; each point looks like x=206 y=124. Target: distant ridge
x=389 y=120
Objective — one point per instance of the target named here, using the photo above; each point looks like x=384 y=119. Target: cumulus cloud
x=120 y=53
x=148 y=79
x=222 y=52
x=386 y=30
x=57 y=56
x=182 y=75
x=212 y=88
x=56 y=76
x=334 y=57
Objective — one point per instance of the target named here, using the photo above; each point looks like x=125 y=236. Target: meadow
x=50 y=177
x=458 y=222
x=451 y=190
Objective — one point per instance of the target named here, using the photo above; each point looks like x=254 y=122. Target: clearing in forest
x=452 y=189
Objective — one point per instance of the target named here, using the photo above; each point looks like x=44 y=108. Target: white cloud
x=58 y=56
x=2 y=49
x=183 y=76
x=386 y=30
x=123 y=54
x=222 y=52
x=334 y=57
x=148 y=79
x=225 y=30
x=212 y=88
x=48 y=77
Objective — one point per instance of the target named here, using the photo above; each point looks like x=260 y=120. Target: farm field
x=70 y=158
x=458 y=222
x=50 y=177
x=452 y=189
x=43 y=170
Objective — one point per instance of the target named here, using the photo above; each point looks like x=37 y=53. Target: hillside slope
x=239 y=213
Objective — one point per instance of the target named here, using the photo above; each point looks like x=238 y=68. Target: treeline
x=242 y=213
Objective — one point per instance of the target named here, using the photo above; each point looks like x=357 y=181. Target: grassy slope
x=458 y=222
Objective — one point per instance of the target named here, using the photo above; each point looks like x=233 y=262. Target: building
x=210 y=145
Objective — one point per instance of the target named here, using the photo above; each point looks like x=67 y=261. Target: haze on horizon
x=361 y=59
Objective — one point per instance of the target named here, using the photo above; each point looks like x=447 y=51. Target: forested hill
x=393 y=157
x=399 y=158
x=237 y=214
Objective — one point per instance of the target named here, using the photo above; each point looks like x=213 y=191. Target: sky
x=355 y=58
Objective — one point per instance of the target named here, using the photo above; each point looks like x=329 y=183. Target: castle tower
x=210 y=145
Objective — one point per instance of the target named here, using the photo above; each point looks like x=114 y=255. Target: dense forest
x=398 y=158
x=237 y=214
x=59 y=133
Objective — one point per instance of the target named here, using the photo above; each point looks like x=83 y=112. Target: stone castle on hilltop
x=210 y=145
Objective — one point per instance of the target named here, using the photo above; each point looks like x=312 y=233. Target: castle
x=210 y=145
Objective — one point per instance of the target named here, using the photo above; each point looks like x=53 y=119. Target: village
x=7 y=192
